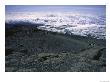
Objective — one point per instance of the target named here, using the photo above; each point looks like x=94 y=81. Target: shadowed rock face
x=101 y=52
x=8 y=51
x=30 y=49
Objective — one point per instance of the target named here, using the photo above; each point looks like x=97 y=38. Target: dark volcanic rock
x=30 y=49
x=101 y=52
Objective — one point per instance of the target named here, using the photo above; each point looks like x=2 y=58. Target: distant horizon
x=56 y=8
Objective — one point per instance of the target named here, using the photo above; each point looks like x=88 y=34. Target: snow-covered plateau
x=65 y=22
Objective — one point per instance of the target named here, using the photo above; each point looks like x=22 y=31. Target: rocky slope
x=29 y=49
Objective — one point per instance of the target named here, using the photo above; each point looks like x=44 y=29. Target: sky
x=56 y=8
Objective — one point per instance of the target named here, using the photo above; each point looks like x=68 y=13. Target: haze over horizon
x=56 y=8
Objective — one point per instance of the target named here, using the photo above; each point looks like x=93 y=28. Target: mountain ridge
x=29 y=49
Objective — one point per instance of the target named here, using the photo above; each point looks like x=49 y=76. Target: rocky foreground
x=28 y=49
